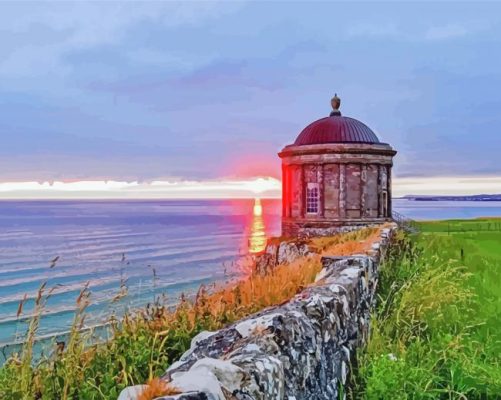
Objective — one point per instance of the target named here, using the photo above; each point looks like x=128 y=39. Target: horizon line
x=236 y=188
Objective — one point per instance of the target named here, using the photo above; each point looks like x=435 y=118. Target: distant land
x=474 y=197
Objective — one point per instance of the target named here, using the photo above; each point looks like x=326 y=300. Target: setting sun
x=262 y=185
x=258 y=208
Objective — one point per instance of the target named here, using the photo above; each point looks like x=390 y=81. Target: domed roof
x=336 y=129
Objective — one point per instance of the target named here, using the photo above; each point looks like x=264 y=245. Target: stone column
x=302 y=191
x=383 y=188
x=380 y=191
x=388 y=179
x=342 y=190
x=288 y=191
x=320 y=180
x=363 y=191
x=284 y=190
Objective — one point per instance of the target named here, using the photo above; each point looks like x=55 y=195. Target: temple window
x=312 y=198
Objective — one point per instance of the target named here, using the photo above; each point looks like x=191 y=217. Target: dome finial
x=335 y=103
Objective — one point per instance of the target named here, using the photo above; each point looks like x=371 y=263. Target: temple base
x=293 y=227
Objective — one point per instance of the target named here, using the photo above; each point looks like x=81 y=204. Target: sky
x=164 y=97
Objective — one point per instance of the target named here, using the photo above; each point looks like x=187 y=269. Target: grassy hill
x=437 y=329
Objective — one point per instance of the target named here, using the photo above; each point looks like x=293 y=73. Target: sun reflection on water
x=257 y=237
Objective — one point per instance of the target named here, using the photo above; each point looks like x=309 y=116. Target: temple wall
x=348 y=192
x=331 y=190
x=353 y=191
x=297 y=184
x=370 y=195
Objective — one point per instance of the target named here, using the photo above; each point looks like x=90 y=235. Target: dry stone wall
x=299 y=350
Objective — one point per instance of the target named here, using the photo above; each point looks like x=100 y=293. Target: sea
x=130 y=252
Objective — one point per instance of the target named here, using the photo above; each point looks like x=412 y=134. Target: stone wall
x=299 y=350
x=288 y=250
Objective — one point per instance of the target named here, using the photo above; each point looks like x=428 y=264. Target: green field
x=437 y=329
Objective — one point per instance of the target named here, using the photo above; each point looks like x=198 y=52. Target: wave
x=168 y=256
x=109 y=253
x=217 y=256
x=103 y=307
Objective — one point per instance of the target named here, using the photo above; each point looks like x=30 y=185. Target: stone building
x=335 y=176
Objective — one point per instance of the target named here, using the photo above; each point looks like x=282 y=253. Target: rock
x=249 y=326
x=284 y=252
x=288 y=252
x=210 y=376
x=186 y=396
x=131 y=392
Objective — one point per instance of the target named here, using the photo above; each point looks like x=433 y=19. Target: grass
x=436 y=333
x=355 y=242
x=145 y=342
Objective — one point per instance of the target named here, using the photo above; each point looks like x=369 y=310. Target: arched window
x=312 y=198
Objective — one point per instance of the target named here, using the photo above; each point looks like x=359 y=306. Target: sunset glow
x=250 y=188
x=258 y=208
x=263 y=187
x=257 y=237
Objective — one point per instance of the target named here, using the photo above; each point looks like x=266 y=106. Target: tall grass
x=145 y=341
x=435 y=334
x=355 y=242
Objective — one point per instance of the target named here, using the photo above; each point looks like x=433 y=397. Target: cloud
x=373 y=30
x=447 y=185
x=229 y=188
x=450 y=31
x=250 y=188
x=62 y=27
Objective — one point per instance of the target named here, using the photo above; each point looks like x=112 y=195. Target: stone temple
x=336 y=176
